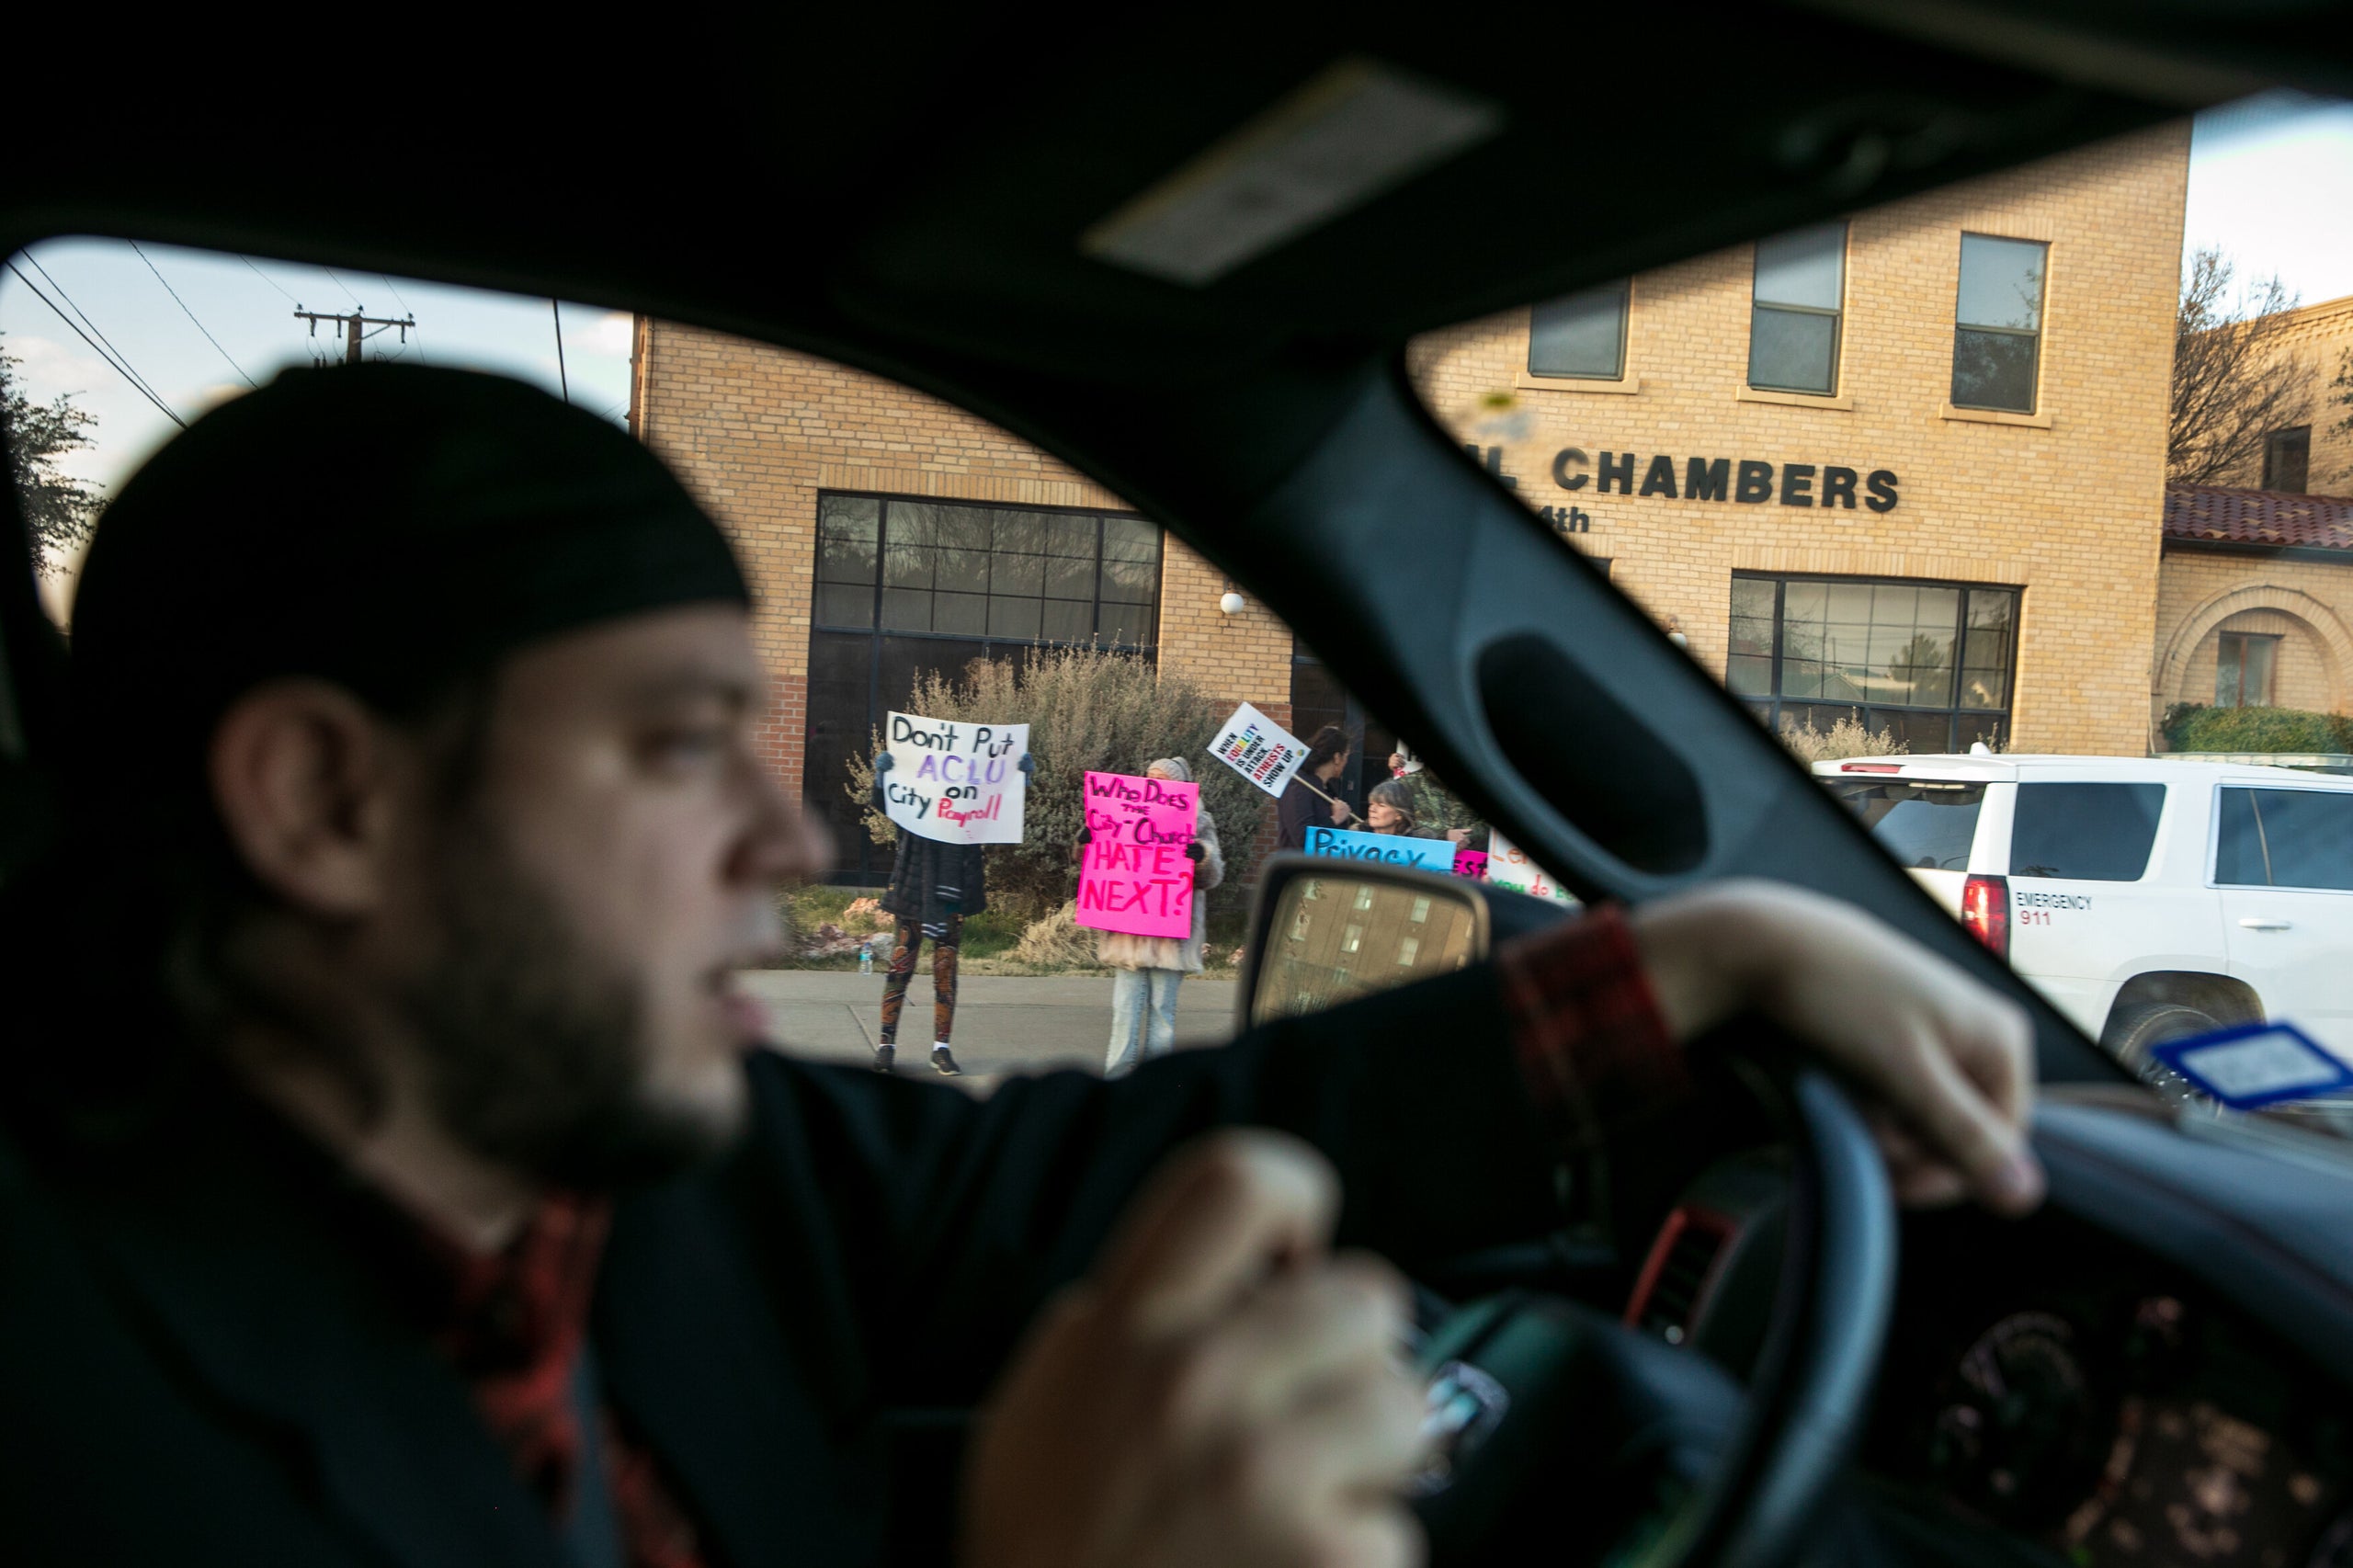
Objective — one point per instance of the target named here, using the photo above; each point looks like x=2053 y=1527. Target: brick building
x=2255 y=600
x=2315 y=456
x=2254 y=595
x=1904 y=465
x=889 y=533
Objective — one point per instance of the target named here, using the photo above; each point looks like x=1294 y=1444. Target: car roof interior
x=913 y=196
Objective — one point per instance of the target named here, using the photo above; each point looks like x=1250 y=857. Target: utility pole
x=354 y=322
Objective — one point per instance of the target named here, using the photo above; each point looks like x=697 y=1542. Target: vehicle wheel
x=2132 y=1031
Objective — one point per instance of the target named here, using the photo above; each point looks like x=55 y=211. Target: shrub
x=2194 y=726
x=1845 y=738
x=1056 y=941
x=1086 y=708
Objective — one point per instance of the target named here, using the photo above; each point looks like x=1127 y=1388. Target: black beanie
x=392 y=529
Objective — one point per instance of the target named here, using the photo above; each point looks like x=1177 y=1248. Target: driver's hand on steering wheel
x=1941 y=1064
x=1222 y=1392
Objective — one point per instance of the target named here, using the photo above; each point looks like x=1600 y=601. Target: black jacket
x=199 y=1363
x=925 y=865
x=1299 y=809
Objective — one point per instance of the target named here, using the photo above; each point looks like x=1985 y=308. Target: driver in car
x=392 y=1174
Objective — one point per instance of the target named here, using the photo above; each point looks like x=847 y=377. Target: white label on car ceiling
x=2256 y=1065
x=1356 y=131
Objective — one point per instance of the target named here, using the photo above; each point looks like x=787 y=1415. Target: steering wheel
x=1573 y=1433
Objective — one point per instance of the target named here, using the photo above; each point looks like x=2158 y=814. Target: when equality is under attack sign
x=1259 y=749
x=958 y=783
x=1134 y=876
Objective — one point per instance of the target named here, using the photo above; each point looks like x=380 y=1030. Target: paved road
x=1004 y=1023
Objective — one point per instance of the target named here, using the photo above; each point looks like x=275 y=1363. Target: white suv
x=2147 y=898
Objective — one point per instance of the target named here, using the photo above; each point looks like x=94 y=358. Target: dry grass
x=1844 y=739
x=1056 y=941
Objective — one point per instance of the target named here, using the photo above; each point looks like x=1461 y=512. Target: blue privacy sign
x=2249 y=1065
x=1430 y=854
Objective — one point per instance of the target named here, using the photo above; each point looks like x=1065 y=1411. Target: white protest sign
x=1259 y=749
x=958 y=783
x=1509 y=867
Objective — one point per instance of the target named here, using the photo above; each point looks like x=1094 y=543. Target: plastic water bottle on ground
x=866 y=957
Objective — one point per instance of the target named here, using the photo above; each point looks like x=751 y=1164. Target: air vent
x=1676 y=1275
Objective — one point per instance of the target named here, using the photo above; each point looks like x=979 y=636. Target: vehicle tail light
x=1985 y=910
x=1870 y=767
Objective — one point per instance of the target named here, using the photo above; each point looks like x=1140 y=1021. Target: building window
x=2288 y=459
x=1929 y=662
x=1998 y=330
x=1793 y=321
x=988 y=572
x=2243 y=665
x=908 y=587
x=1581 y=336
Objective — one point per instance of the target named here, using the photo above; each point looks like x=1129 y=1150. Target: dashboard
x=2050 y=1383
x=2156 y=1370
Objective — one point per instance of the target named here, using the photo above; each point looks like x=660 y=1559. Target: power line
x=191 y=315
x=127 y=374
x=405 y=311
x=354 y=325
x=266 y=278
x=561 y=380
x=342 y=284
x=109 y=353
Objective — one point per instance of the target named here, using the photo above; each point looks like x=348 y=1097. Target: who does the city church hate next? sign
x=1134 y=876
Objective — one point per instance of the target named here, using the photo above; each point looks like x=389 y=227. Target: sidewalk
x=1004 y=1023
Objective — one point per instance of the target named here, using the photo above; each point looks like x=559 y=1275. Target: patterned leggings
x=945 y=937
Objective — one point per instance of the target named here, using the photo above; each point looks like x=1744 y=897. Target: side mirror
x=1329 y=931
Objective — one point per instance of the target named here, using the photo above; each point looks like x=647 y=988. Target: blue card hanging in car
x=2250 y=1065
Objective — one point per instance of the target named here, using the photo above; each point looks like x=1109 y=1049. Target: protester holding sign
x=1308 y=802
x=934 y=884
x=1436 y=808
x=958 y=783
x=1389 y=809
x=1145 y=970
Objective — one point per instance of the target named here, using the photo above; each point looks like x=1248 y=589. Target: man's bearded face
x=594 y=898
x=536 y=1044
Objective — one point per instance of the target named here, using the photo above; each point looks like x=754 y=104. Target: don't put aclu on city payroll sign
x=1259 y=749
x=1134 y=875
x=958 y=783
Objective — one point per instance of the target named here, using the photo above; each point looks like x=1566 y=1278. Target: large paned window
x=1793 y=322
x=1929 y=662
x=1997 y=326
x=1580 y=336
x=906 y=587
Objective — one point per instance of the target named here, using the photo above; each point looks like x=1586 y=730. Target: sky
x=2270 y=182
x=247 y=303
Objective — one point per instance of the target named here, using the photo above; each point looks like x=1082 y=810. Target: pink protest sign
x=1134 y=875
x=1471 y=863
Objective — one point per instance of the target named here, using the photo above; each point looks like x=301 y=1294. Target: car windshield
x=913 y=560
x=2057 y=461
